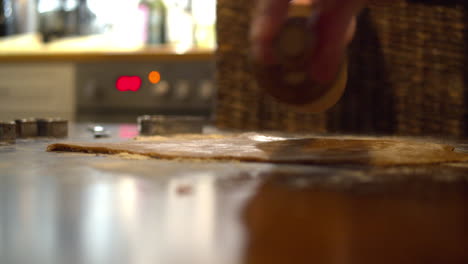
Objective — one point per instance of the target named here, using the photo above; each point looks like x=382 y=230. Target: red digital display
x=128 y=83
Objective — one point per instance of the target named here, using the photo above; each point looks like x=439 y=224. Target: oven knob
x=206 y=90
x=182 y=90
x=160 y=89
x=92 y=91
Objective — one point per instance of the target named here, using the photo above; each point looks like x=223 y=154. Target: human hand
x=333 y=28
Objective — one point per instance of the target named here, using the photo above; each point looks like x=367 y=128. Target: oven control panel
x=131 y=89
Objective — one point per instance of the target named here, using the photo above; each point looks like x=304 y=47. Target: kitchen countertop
x=86 y=208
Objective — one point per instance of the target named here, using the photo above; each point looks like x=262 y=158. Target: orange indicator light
x=154 y=77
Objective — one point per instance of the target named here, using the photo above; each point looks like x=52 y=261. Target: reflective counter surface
x=80 y=208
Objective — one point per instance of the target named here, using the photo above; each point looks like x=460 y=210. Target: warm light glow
x=154 y=77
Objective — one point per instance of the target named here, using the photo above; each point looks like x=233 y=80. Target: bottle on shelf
x=204 y=16
x=156 y=23
x=180 y=24
x=6 y=18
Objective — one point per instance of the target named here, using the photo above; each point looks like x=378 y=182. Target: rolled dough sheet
x=279 y=149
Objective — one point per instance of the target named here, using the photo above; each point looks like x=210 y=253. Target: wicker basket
x=406 y=74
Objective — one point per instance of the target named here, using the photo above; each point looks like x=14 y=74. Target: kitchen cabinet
x=37 y=90
x=184 y=89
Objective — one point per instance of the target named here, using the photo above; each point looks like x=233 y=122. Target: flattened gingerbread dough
x=279 y=149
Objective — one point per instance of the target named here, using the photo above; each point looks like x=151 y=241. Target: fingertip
x=351 y=30
x=268 y=17
x=261 y=37
x=334 y=31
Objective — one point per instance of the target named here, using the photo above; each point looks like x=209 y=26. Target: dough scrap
x=255 y=147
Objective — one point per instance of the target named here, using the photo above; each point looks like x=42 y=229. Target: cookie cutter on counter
x=52 y=127
x=7 y=132
x=151 y=125
x=26 y=128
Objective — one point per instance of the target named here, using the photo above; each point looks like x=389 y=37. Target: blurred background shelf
x=64 y=58
x=30 y=48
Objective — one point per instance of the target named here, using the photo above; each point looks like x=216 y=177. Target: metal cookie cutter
x=52 y=127
x=163 y=125
x=7 y=132
x=26 y=128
